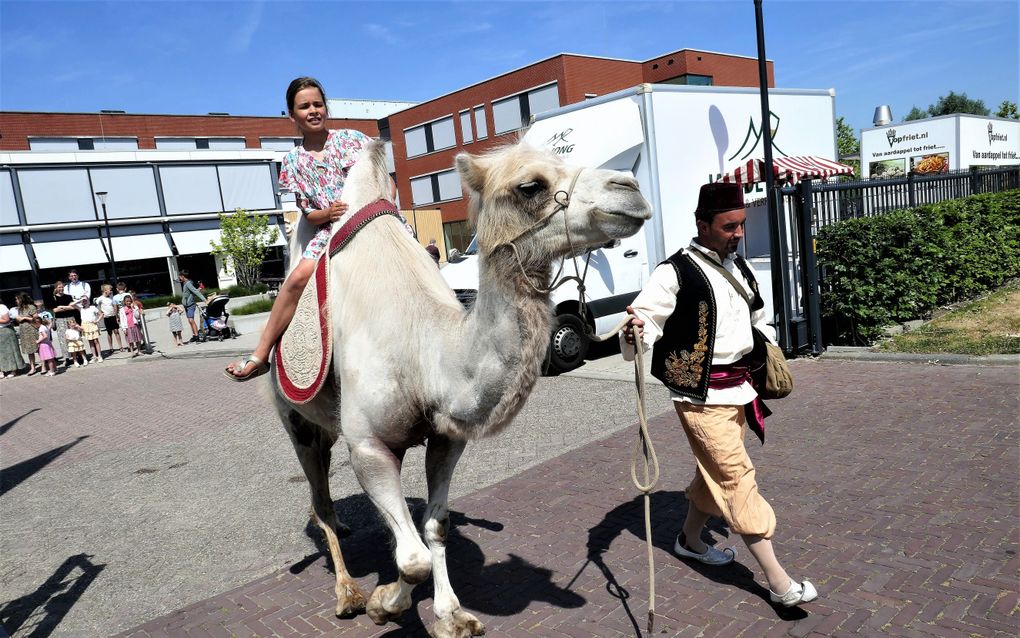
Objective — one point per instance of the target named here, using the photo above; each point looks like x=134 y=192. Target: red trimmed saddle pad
x=305 y=351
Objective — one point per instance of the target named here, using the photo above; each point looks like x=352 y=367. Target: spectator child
x=90 y=316
x=173 y=313
x=130 y=317
x=108 y=308
x=118 y=297
x=47 y=357
x=75 y=343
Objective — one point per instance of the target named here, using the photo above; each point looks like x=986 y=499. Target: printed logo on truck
x=756 y=133
x=896 y=139
x=559 y=144
x=995 y=137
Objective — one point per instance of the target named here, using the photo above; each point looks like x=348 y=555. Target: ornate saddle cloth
x=305 y=351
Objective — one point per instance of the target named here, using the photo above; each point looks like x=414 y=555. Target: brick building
x=427 y=136
x=51 y=219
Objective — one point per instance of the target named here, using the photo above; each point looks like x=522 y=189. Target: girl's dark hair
x=299 y=84
x=24 y=300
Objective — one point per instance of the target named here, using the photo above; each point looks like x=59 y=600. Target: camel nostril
x=623 y=181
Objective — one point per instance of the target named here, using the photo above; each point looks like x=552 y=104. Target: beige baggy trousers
x=724 y=484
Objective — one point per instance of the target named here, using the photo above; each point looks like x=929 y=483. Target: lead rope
x=644 y=446
x=644 y=440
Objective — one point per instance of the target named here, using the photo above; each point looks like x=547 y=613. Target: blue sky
x=237 y=57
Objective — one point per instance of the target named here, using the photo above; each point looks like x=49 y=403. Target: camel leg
x=441 y=458
x=313 y=445
x=378 y=471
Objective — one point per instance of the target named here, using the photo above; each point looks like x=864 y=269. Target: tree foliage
x=244 y=241
x=847 y=144
x=947 y=105
x=915 y=114
x=1008 y=109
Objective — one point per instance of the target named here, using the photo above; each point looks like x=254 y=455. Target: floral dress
x=318 y=183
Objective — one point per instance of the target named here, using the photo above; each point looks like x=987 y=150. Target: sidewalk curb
x=850 y=353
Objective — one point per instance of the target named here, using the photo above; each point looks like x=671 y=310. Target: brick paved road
x=131 y=489
x=895 y=487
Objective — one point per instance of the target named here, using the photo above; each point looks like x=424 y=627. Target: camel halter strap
x=562 y=199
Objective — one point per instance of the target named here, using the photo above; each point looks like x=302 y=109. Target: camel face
x=523 y=190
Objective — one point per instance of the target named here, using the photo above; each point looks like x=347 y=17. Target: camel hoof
x=376 y=609
x=459 y=625
x=349 y=601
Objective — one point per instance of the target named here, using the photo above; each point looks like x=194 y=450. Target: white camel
x=411 y=366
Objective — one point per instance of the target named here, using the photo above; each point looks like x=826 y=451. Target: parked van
x=673 y=139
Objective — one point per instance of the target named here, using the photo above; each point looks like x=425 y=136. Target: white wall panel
x=131 y=191
x=190 y=189
x=56 y=195
x=247 y=186
x=8 y=207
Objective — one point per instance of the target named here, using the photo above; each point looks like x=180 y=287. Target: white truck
x=673 y=139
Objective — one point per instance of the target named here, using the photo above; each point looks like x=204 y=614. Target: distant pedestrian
x=78 y=289
x=75 y=343
x=189 y=299
x=173 y=313
x=433 y=251
x=62 y=306
x=47 y=357
x=90 y=328
x=27 y=332
x=118 y=297
x=108 y=307
x=11 y=361
x=130 y=317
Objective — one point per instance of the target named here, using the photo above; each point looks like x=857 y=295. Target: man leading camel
x=701 y=329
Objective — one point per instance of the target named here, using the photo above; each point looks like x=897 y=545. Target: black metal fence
x=812 y=205
x=836 y=200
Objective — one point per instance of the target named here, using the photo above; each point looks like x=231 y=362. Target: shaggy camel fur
x=411 y=366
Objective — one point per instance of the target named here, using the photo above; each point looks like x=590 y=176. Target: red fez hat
x=719 y=197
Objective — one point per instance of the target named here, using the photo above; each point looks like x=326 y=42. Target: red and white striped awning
x=787 y=169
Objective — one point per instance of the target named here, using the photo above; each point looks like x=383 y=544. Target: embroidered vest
x=682 y=357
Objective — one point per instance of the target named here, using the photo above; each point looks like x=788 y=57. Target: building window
x=86 y=144
x=690 y=79
x=481 y=127
x=465 y=126
x=514 y=112
x=431 y=137
x=202 y=143
x=437 y=187
x=457 y=235
x=279 y=143
x=53 y=143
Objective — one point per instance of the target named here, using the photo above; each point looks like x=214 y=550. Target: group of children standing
x=117 y=313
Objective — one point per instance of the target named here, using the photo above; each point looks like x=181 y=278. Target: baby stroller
x=214 y=323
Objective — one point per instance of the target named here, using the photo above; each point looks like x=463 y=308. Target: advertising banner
x=607 y=135
x=989 y=142
x=923 y=146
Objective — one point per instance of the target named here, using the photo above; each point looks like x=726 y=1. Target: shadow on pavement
x=39 y=613
x=10 y=477
x=668 y=511
x=502 y=588
x=10 y=424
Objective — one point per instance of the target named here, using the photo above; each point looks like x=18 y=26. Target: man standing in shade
x=189 y=296
x=433 y=250
x=697 y=310
x=77 y=289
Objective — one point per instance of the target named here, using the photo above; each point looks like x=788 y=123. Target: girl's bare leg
x=280 y=316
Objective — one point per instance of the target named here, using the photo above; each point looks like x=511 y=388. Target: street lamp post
x=101 y=196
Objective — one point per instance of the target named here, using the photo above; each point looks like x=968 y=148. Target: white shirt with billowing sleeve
x=733 y=338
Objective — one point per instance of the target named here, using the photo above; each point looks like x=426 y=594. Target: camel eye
x=530 y=189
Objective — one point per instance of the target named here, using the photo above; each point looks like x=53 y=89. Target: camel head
x=518 y=194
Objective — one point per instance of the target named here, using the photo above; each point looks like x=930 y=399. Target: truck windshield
x=472 y=248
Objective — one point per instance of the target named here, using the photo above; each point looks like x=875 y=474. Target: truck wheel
x=568 y=344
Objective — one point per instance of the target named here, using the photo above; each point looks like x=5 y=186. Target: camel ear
x=472 y=172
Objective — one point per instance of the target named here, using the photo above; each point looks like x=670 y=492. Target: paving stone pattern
x=895 y=487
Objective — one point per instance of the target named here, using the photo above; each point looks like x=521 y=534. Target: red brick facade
x=576 y=77
x=16 y=127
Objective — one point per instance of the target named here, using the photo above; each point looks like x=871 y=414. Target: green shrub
x=244 y=291
x=904 y=264
x=160 y=301
x=254 y=308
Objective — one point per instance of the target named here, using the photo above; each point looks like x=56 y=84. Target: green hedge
x=904 y=264
x=254 y=307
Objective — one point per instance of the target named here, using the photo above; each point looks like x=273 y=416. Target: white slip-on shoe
x=798 y=593
x=711 y=556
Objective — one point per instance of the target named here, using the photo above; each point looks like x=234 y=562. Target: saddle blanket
x=304 y=352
